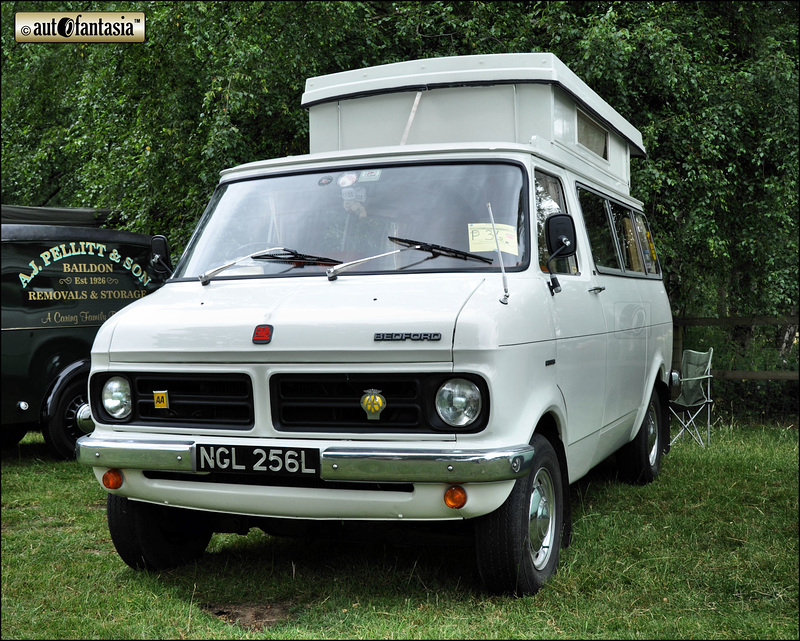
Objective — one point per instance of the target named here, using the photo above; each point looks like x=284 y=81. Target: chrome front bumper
x=337 y=463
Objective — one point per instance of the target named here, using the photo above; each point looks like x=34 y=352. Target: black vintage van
x=62 y=277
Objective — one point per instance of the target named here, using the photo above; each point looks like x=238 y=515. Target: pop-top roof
x=460 y=71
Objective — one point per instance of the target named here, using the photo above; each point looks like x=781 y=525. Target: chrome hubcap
x=651 y=425
x=542 y=518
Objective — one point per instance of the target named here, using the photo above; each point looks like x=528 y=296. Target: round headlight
x=458 y=402
x=116 y=397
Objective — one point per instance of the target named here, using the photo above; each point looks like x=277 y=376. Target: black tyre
x=640 y=460
x=518 y=544
x=62 y=431
x=156 y=537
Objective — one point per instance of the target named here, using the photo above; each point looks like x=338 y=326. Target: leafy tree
x=144 y=129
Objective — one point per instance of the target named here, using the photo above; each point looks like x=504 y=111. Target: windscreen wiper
x=284 y=255
x=435 y=250
x=278 y=254
x=439 y=250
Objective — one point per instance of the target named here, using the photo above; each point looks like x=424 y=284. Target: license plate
x=270 y=461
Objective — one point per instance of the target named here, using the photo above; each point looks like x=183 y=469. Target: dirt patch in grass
x=251 y=616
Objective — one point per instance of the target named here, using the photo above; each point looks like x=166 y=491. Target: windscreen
x=343 y=215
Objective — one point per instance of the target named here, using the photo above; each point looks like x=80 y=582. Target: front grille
x=209 y=400
x=218 y=401
x=332 y=403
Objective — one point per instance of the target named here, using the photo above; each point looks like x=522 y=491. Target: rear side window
x=624 y=228
x=646 y=242
x=619 y=237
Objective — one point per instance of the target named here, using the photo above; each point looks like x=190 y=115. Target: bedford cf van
x=63 y=276
x=448 y=311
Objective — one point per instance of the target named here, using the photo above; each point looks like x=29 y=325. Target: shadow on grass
x=31 y=448
x=373 y=556
x=597 y=482
x=258 y=580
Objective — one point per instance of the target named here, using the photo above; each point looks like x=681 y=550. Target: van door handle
x=597 y=290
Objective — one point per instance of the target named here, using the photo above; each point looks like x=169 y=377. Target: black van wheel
x=156 y=537
x=518 y=544
x=62 y=431
x=640 y=460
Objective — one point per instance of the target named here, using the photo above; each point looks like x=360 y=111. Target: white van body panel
x=424 y=503
x=204 y=328
x=581 y=363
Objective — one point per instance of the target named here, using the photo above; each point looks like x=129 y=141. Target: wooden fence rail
x=736 y=320
x=733 y=375
x=743 y=375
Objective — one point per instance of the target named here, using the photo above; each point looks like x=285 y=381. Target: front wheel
x=640 y=460
x=156 y=537
x=518 y=544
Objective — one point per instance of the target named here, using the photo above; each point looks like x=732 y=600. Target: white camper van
x=449 y=310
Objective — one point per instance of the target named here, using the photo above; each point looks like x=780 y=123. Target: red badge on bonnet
x=262 y=334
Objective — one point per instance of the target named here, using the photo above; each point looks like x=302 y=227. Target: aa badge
x=373 y=403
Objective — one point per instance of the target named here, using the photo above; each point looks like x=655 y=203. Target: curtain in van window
x=624 y=226
x=646 y=242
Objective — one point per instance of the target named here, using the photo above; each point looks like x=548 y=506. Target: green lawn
x=710 y=550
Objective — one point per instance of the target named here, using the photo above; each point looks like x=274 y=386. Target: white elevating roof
x=470 y=71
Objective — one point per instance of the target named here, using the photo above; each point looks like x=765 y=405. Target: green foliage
x=753 y=400
x=144 y=129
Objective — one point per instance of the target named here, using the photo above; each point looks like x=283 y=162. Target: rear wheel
x=156 y=537
x=518 y=544
x=640 y=460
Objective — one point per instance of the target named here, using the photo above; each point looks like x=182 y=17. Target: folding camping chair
x=695 y=395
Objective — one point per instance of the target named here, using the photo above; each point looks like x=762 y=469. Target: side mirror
x=559 y=231
x=160 y=259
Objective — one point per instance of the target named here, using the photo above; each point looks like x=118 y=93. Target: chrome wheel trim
x=651 y=425
x=542 y=518
x=70 y=417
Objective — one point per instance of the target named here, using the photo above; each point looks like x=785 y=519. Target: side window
x=646 y=242
x=592 y=136
x=601 y=236
x=620 y=238
x=549 y=198
x=626 y=235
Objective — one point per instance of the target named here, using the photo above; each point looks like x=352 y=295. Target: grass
x=710 y=550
